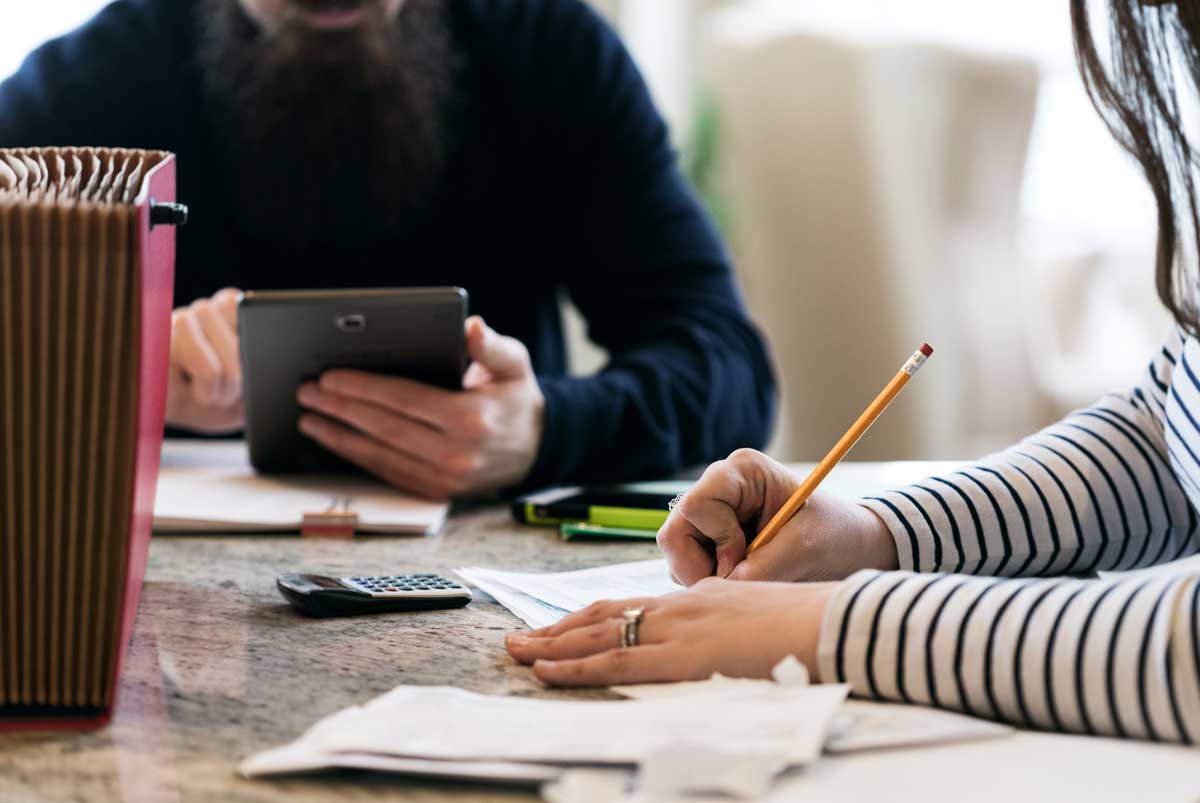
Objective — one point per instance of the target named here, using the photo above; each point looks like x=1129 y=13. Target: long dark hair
x=1134 y=92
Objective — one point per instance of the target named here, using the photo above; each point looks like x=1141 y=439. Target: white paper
x=300 y=758
x=541 y=599
x=447 y=724
x=859 y=724
x=689 y=769
x=591 y=786
x=209 y=486
x=863 y=725
x=530 y=610
x=790 y=672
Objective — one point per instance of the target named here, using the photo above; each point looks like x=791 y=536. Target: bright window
x=35 y=23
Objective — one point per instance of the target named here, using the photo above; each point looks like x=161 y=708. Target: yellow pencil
x=856 y=431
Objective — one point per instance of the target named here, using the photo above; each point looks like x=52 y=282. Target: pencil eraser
x=926 y=349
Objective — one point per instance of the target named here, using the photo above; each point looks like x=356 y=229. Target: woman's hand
x=828 y=539
x=204 y=384
x=737 y=629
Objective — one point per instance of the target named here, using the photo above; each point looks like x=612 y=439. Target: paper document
x=787 y=725
x=860 y=724
x=541 y=599
x=209 y=486
x=864 y=725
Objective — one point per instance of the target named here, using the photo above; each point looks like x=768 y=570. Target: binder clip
x=336 y=521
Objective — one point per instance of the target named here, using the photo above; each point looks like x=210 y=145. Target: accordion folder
x=87 y=251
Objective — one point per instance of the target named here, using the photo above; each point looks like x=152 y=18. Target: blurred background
x=885 y=173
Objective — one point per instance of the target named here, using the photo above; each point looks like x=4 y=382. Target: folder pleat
x=81 y=277
x=61 y=291
x=25 y=413
x=86 y=280
x=8 y=428
x=43 y=587
x=91 y=457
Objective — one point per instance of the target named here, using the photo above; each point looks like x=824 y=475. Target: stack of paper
x=541 y=599
x=209 y=486
x=666 y=731
x=449 y=732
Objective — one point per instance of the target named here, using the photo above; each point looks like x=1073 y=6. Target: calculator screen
x=323 y=582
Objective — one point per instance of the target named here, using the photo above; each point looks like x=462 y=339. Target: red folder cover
x=87 y=250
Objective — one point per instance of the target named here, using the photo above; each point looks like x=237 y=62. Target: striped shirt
x=992 y=614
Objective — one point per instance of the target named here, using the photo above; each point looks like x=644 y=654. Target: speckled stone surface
x=220 y=666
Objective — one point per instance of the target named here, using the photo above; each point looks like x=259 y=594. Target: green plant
x=702 y=161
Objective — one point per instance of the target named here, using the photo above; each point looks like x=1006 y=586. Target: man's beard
x=331 y=137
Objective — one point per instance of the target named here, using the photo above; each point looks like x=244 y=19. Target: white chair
x=875 y=188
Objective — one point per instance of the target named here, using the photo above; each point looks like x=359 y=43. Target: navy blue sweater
x=566 y=182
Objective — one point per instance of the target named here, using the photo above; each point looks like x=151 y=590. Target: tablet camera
x=354 y=322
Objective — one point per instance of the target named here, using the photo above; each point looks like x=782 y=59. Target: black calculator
x=318 y=595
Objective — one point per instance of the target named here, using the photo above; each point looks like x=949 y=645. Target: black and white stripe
x=1113 y=487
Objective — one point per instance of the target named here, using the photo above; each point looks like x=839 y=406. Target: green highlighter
x=632 y=506
x=569 y=531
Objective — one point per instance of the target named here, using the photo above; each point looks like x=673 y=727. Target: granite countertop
x=220 y=667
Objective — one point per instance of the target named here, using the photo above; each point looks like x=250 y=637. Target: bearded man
x=506 y=146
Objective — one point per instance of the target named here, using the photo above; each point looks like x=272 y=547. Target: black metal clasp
x=168 y=213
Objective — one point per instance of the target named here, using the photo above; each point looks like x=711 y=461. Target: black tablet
x=293 y=336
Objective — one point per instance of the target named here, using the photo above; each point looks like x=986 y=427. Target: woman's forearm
x=1118 y=658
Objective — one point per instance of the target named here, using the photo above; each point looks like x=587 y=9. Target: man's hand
x=204 y=384
x=828 y=539
x=430 y=441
